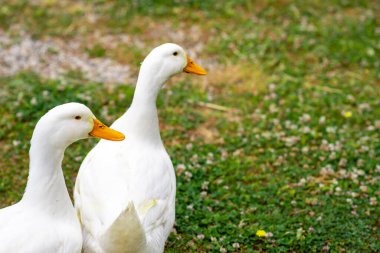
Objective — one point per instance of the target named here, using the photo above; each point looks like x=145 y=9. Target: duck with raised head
x=45 y=221
x=125 y=193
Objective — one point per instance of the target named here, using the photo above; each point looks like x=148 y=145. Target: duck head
x=170 y=59
x=67 y=123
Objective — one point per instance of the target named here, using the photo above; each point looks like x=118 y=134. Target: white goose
x=45 y=221
x=125 y=193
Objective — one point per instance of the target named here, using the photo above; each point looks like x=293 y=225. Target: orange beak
x=102 y=131
x=193 y=68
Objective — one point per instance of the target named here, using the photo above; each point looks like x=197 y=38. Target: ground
x=276 y=150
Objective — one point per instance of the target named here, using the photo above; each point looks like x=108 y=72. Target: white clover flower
x=306 y=130
x=205 y=185
x=16 y=143
x=332 y=156
x=272 y=87
x=331 y=130
x=181 y=167
x=342 y=162
x=188 y=175
x=363 y=188
x=33 y=101
x=269 y=234
x=377 y=124
x=322 y=120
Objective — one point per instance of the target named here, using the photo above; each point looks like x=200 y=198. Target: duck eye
x=175 y=53
x=78 y=117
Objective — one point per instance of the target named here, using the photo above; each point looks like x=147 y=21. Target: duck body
x=136 y=179
x=125 y=193
x=28 y=227
x=45 y=220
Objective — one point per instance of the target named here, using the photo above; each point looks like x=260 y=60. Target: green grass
x=284 y=159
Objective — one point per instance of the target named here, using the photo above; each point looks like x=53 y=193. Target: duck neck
x=148 y=85
x=142 y=114
x=46 y=185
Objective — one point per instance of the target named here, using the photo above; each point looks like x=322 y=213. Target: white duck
x=125 y=193
x=45 y=219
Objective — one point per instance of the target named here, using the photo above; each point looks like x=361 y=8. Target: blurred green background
x=282 y=135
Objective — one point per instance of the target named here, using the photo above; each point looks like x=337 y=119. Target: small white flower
x=342 y=162
x=377 y=124
x=305 y=118
x=322 y=120
x=306 y=130
x=188 y=175
x=33 y=101
x=364 y=107
x=273 y=108
x=16 y=143
x=205 y=185
x=181 y=167
x=364 y=188
x=272 y=87
x=302 y=181
x=201 y=236
x=78 y=158
x=331 y=130
x=332 y=156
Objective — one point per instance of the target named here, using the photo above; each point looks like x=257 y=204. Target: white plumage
x=125 y=192
x=45 y=219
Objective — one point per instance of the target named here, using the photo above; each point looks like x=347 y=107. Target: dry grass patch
x=239 y=78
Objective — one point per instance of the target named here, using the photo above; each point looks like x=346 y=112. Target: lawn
x=282 y=135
